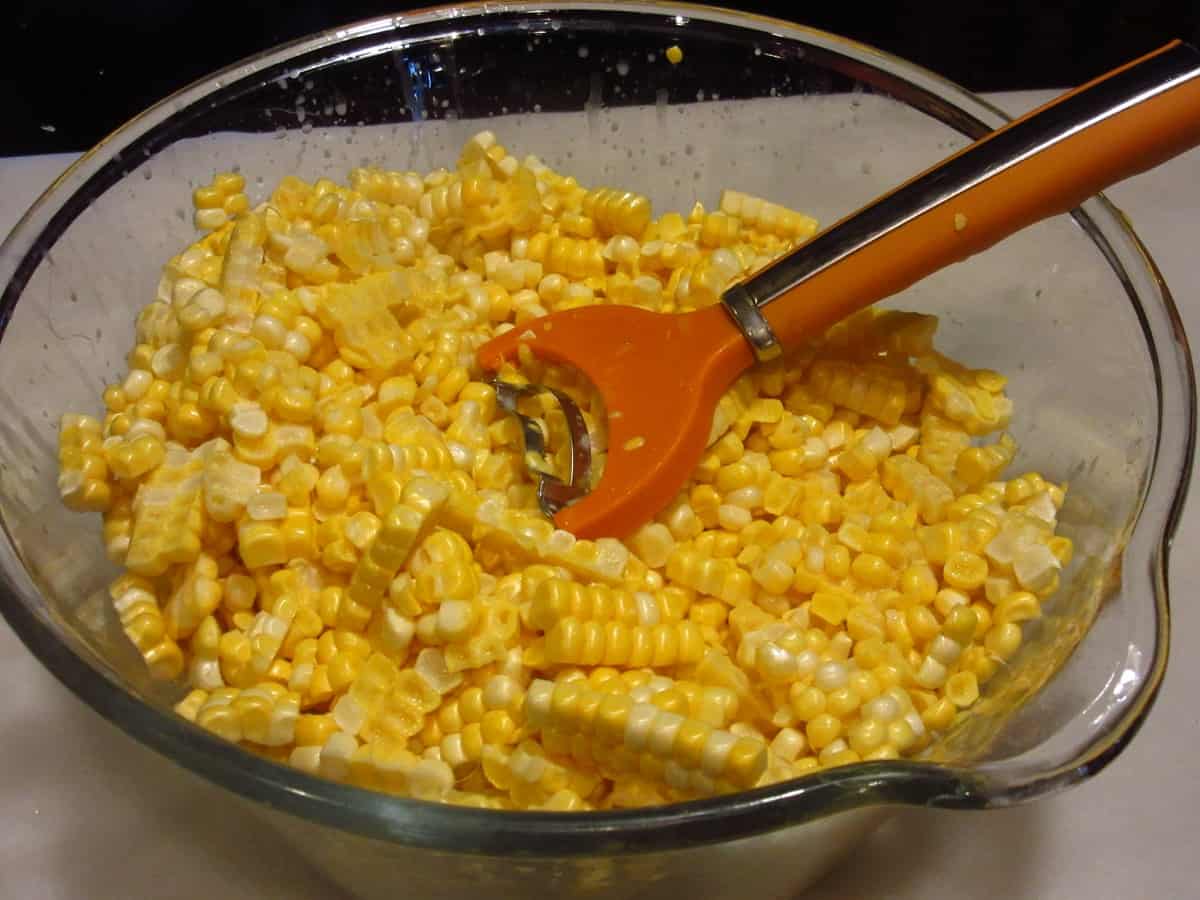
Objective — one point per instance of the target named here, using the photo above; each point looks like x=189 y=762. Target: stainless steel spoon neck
x=746 y=311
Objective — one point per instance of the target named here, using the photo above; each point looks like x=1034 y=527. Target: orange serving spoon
x=662 y=374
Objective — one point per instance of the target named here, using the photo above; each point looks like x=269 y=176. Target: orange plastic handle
x=1055 y=180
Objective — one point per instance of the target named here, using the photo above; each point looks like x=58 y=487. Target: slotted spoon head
x=660 y=375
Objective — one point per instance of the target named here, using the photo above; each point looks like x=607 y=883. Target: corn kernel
x=962 y=689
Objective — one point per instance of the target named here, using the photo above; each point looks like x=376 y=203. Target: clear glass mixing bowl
x=1073 y=309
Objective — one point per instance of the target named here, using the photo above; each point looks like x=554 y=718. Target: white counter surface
x=88 y=813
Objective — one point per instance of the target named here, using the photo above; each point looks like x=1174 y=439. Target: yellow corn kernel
x=962 y=689
x=1017 y=607
x=261 y=544
x=313 y=730
x=961 y=625
x=705 y=503
x=869 y=652
x=873 y=571
x=1003 y=640
x=829 y=607
x=918 y=583
x=837 y=562
x=653 y=543
x=983 y=618
x=940 y=715
x=822 y=730
x=965 y=571
x=922 y=622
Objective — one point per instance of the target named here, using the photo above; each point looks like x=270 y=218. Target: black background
x=82 y=70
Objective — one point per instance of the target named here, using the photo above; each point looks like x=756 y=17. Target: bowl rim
x=653 y=829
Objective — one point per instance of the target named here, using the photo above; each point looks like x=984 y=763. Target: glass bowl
x=1073 y=310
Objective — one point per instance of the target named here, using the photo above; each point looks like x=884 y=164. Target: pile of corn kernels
x=329 y=534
